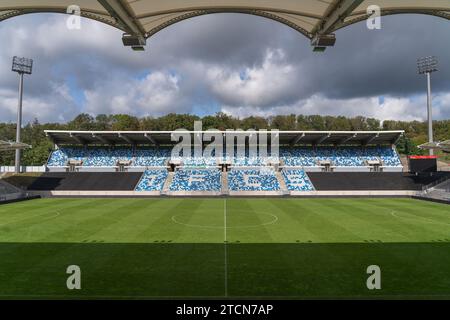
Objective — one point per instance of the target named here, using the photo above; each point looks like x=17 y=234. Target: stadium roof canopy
x=10 y=146
x=165 y=137
x=316 y=19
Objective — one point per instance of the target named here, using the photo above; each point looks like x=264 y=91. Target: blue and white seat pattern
x=58 y=158
x=298 y=157
x=290 y=157
x=196 y=162
x=104 y=157
x=196 y=180
x=340 y=156
x=151 y=157
x=297 y=180
x=389 y=157
x=152 y=180
x=253 y=180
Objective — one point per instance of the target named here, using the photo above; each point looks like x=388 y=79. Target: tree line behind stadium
x=33 y=132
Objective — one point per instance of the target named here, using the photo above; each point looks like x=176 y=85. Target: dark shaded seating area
x=323 y=181
x=86 y=181
x=371 y=181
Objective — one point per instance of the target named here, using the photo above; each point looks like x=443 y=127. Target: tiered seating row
x=291 y=157
x=102 y=157
x=196 y=180
x=253 y=180
x=152 y=180
x=297 y=180
x=341 y=157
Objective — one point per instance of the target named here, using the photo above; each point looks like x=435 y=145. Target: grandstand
x=291 y=157
x=307 y=163
x=140 y=150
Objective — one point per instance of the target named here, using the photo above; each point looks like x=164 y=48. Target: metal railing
x=26 y=169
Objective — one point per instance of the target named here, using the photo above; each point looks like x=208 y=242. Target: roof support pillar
x=77 y=139
x=368 y=141
x=127 y=139
x=322 y=139
x=347 y=139
x=335 y=15
x=124 y=15
x=150 y=138
x=102 y=139
x=394 y=141
x=297 y=139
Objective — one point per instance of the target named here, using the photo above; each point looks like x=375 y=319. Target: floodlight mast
x=21 y=66
x=427 y=65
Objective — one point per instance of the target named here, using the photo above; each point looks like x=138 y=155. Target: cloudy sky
x=239 y=64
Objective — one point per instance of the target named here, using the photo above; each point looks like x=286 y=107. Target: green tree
x=254 y=123
x=33 y=132
x=82 y=122
x=124 y=122
x=287 y=123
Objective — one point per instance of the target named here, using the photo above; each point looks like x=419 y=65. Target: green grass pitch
x=187 y=248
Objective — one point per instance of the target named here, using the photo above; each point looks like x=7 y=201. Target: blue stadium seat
x=152 y=180
x=197 y=162
x=297 y=180
x=196 y=180
x=298 y=157
x=389 y=157
x=253 y=180
x=58 y=158
x=151 y=157
x=342 y=157
x=104 y=157
x=346 y=156
x=339 y=156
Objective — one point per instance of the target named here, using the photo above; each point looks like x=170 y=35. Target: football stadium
x=224 y=214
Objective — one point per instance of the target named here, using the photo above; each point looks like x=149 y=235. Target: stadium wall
x=244 y=194
x=326 y=184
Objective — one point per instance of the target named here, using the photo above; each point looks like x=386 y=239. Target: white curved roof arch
x=141 y=19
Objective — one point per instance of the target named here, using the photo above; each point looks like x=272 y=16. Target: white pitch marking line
x=33 y=216
x=425 y=220
x=273 y=221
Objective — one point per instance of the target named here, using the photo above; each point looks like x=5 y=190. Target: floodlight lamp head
x=22 y=65
x=136 y=42
x=427 y=65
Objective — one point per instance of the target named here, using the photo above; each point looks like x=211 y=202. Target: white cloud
x=156 y=94
x=441 y=106
x=159 y=92
x=58 y=106
x=392 y=108
x=257 y=86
